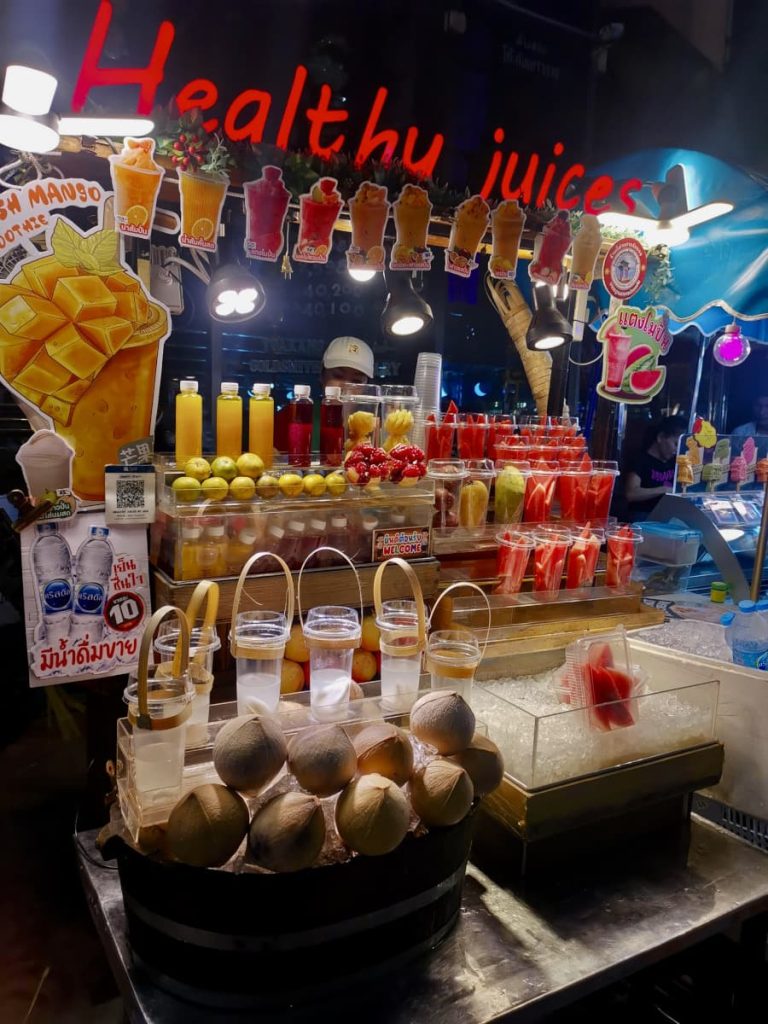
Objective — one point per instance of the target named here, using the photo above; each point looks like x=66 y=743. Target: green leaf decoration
x=103 y=249
x=65 y=242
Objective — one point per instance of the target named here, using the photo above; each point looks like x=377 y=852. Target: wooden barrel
x=226 y=939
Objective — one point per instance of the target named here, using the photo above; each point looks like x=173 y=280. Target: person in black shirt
x=649 y=476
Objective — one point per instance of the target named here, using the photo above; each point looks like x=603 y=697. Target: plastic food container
x=398 y=413
x=669 y=543
x=361 y=413
x=449 y=476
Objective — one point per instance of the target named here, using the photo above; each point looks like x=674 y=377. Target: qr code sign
x=129 y=492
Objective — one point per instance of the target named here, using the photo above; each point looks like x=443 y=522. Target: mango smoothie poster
x=81 y=345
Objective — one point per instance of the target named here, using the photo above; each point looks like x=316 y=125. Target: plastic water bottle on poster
x=93 y=566
x=52 y=564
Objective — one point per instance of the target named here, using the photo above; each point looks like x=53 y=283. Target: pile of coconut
x=342 y=794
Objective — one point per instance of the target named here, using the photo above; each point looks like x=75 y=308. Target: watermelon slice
x=642 y=382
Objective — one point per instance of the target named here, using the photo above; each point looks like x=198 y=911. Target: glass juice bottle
x=300 y=427
x=189 y=422
x=261 y=423
x=331 y=427
x=229 y=421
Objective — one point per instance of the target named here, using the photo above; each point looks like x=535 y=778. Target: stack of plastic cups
x=427 y=380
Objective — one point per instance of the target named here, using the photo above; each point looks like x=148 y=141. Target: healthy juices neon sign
x=246 y=119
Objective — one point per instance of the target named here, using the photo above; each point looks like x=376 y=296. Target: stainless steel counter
x=514 y=955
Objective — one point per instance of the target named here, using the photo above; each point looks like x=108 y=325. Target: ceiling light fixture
x=26 y=122
x=548 y=328
x=234 y=295
x=359 y=274
x=674 y=221
x=731 y=348
x=99 y=127
x=405 y=312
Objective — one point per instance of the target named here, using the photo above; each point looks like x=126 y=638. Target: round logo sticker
x=624 y=268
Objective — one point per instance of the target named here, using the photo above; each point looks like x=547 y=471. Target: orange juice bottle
x=229 y=421
x=190 y=552
x=261 y=423
x=189 y=422
x=213 y=552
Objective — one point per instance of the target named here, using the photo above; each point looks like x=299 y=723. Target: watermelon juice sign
x=633 y=340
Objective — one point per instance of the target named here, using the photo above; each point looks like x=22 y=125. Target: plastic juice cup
x=622 y=550
x=540 y=492
x=532 y=425
x=582 y=559
x=616 y=353
x=472 y=436
x=501 y=429
x=452 y=659
x=202 y=197
x=398 y=398
x=332 y=633
x=361 y=398
x=476 y=493
x=512 y=560
x=136 y=190
x=511 y=485
x=400 y=654
x=267 y=201
x=258 y=646
x=549 y=554
x=573 y=487
x=203 y=643
x=316 y=225
x=604 y=473
x=158 y=752
x=449 y=476
x=438 y=440
x=563 y=426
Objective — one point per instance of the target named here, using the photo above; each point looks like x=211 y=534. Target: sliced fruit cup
x=583 y=557
x=563 y=426
x=597 y=675
x=601 y=486
x=472 y=436
x=501 y=430
x=438 y=439
x=622 y=544
x=510 y=449
x=511 y=485
x=449 y=476
x=398 y=411
x=533 y=426
x=361 y=414
x=476 y=493
x=512 y=560
x=572 y=490
x=540 y=491
x=549 y=554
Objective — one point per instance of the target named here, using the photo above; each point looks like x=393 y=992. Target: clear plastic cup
x=532 y=425
x=563 y=426
x=449 y=476
x=476 y=493
x=472 y=436
x=361 y=413
x=438 y=438
x=400 y=654
x=427 y=379
x=572 y=489
x=398 y=414
x=622 y=544
x=158 y=752
x=511 y=485
x=452 y=659
x=203 y=643
x=512 y=560
x=600 y=492
x=582 y=558
x=540 y=491
x=258 y=647
x=549 y=554
x=501 y=430
x=332 y=633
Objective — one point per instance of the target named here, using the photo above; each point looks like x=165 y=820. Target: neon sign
x=246 y=116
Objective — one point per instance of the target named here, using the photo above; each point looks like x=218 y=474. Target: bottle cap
x=727 y=619
x=188 y=385
x=398 y=519
x=318 y=525
x=277 y=532
x=216 y=531
x=370 y=522
x=339 y=522
x=296 y=525
x=746 y=606
x=261 y=389
x=247 y=537
x=229 y=387
x=720 y=587
x=191 y=532
x=333 y=391
x=302 y=390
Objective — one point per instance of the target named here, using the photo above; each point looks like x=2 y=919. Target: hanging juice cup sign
x=469 y=226
x=547 y=263
x=624 y=268
x=318 y=210
x=411 y=212
x=507 y=223
x=81 y=344
x=368 y=212
x=136 y=179
x=266 y=206
x=632 y=341
x=202 y=200
x=584 y=253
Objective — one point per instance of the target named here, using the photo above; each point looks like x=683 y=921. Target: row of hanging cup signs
x=137 y=178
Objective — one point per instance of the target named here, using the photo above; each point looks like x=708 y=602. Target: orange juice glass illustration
x=202 y=198
x=469 y=226
x=507 y=222
x=136 y=179
x=411 y=212
x=368 y=211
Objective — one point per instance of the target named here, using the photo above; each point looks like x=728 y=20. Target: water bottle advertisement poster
x=86 y=598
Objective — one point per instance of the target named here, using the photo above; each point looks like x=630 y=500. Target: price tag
x=129 y=494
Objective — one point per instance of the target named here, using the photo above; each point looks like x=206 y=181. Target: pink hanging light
x=731 y=348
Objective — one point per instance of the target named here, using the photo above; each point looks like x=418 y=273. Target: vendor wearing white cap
x=347 y=361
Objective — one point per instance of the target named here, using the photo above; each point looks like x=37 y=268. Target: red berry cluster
x=368 y=465
x=408 y=464
x=189 y=151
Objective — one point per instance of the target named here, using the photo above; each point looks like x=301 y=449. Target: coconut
x=288 y=833
x=372 y=815
x=249 y=752
x=356 y=691
x=385 y=749
x=441 y=793
x=206 y=826
x=323 y=759
x=483 y=762
x=443 y=719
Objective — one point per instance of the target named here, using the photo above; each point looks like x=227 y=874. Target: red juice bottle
x=300 y=427
x=331 y=427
